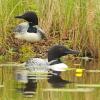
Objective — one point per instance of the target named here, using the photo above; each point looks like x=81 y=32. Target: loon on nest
x=29 y=31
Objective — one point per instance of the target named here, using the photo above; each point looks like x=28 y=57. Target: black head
x=58 y=51
x=30 y=17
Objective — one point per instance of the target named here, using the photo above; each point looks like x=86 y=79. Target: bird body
x=42 y=65
x=22 y=33
x=37 y=65
x=58 y=67
x=52 y=62
x=53 y=65
x=29 y=31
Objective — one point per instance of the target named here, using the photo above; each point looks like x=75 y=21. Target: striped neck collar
x=55 y=61
x=31 y=24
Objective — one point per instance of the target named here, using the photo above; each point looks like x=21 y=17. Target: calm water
x=10 y=91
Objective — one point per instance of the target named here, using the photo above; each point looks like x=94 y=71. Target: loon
x=29 y=30
x=52 y=64
x=53 y=61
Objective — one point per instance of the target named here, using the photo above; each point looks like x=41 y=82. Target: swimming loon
x=53 y=63
x=29 y=31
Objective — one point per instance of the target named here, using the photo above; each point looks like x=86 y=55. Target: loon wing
x=21 y=28
x=18 y=29
x=43 y=34
x=37 y=65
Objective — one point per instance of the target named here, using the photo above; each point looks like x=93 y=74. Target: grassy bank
x=77 y=22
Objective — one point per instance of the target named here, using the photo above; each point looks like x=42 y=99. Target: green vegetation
x=77 y=21
x=74 y=23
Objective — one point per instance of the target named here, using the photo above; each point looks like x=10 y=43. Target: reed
x=77 y=20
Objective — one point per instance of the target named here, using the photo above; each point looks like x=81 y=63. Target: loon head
x=58 y=51
x=29 y=16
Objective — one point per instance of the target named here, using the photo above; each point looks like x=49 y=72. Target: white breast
x=31 y=37
x=58 y=67
x=21 y=33
x=42 y=65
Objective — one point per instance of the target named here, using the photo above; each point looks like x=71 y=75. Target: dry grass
x=76 y=20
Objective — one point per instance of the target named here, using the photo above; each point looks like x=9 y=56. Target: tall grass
x=8 y=10
x=77 y=20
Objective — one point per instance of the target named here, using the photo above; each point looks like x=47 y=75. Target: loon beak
x=19 y=17
x=72 y=52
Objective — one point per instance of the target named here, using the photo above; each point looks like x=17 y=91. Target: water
x=84 y=88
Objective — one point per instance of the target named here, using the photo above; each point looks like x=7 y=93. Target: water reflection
x=57 y=82
x=30 y=87
x=61 y=81
x=30 y=82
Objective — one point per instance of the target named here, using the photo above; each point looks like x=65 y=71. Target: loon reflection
x=57 y=82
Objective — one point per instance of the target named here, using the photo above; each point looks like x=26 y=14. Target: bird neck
x=32 y=28
x=54 y=61
x=31 y=24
